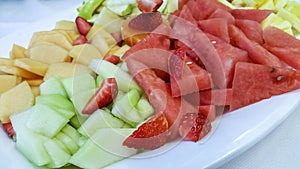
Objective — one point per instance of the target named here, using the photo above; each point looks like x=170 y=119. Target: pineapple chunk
x=278 y=22
x=17 y=99
x=292 y=18
x=269 y=4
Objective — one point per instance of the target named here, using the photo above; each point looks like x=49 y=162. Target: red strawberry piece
x=83 y=26
x=118 y=37
x=150 y=135
x=149 y=5
x=8 y=129
x=112 y=59
x=194 y=126
x=81 y=39
x=107 y=91
x=146 y=21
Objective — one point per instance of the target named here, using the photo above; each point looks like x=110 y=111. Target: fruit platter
x=128 y=84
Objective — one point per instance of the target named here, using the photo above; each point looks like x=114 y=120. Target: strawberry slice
x=83 y=26
x=107 y=91
x=146 y=21
x=9 y=129
x=150 y=135
x=112 y=59
x=81 y=39
x=149 y=5
x=194 y=126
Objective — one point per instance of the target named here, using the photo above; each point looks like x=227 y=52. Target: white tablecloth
x=279 y=150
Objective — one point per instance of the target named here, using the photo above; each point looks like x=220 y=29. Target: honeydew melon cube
x=99 y=119
x=99 y=80
x=109 y=20
x=31 y=145
x=106 y=69
x=53 y=86
x=70 y=144
x=144 y=108
x=61 y=145
x=124 y=108
x=109 y=150
x=59 y=157
x=45 y=120
x=71 y=132
x=64 y=112
x=80 y=99
x=55 y=100
x=18 y=120
x=78 y=83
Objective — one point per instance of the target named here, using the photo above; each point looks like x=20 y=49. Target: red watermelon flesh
x=256 y=52
x=257 y=15
x=209 y=111
x=275 y=37
x=219 y=97
x=159 y=95
x=187 y=77
x=197 y=40
x=254 y=82
x=186 y=14
x=201 y=9
x=289 y=55
x=151 y=41
x=251 y=29
x=190 y=53
x=224 y=14
x=217 y=27
x=229 y=55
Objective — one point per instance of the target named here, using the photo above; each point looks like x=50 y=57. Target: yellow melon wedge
x=31 y=65
x=7 y=82
x=17 y=99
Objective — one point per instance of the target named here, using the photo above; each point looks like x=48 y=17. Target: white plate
x=236 y=132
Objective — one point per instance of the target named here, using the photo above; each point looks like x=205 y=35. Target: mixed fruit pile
x=130 y=76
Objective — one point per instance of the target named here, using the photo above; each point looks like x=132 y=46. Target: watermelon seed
x=280 y=78
x=214 y=42
x=272 y=69
x=189 y=63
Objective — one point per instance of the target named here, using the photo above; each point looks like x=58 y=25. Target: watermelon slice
x=202 y=9
x=187 y=77
x=257 y=15
x=224 y=14
x=217 y=27
x=229 y=55
x=197 y=40
x=251 y=29
x=186 y=14
x=254 y=82
x=283 y=45
x=277 y=38
x=190 y=53
x=256 y=52
x=220 y=97
x=153 y=41
x=159 y=95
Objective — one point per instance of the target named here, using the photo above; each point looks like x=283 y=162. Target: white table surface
x=278 y=150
